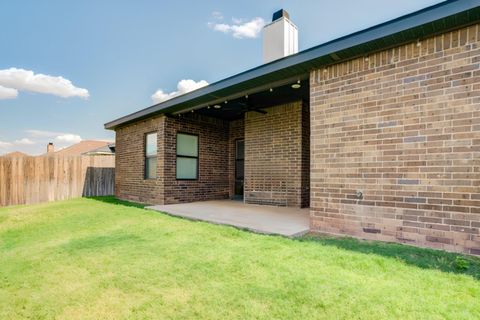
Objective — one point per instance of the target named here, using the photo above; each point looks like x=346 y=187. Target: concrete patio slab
x=290 y=222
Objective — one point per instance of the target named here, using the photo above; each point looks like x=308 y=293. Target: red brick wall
x=273 y=156
x=129 y=162
x=403 y=127
x=213 y=178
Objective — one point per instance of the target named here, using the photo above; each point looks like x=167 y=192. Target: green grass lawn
x=100 y=259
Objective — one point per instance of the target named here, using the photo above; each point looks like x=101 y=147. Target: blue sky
x=119 y=53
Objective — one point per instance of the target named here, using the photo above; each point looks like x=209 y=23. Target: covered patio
x=285 y=221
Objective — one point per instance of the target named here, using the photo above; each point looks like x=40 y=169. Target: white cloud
x=41 y=133
x=217 y=15
x=23 y=141
x=240 y=29
x=183 y=87
x=20 y=142
x=68 y=137
x=237 y=21
x=53 y=135
x=16 y=145
x=8 y=93
x=15 y=80
x=36 y=142
x=4 y=145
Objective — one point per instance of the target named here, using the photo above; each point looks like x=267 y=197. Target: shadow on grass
x=115 y=201
x=419 y=257
x=98 y=242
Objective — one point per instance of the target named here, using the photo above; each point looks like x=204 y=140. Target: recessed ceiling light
x=296 y=85
x=217 y=106
x=226 y=101
x=271 y=89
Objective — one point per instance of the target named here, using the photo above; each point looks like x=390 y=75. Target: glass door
x=239 y=168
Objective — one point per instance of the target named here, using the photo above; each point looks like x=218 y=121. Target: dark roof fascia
x=305 y=61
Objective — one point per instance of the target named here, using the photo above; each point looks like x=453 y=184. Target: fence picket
x=27 y=180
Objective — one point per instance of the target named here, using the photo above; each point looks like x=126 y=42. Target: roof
x=16 y=154
x=82 y=147
x=108 y=149
x=424 y=23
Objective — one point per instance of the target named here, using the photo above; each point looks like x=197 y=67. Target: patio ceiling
x=271 y=96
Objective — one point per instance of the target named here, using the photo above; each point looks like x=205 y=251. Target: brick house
x=378 y=132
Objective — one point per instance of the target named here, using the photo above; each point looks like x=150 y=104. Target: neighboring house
x=84 y=147
x=106 y=150
x=378 y=132
x=16 y=154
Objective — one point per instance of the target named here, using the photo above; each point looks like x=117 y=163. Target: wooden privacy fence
x=27 y=180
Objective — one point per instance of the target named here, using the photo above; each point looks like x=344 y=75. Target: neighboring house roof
x=82 y=147
x=16 y=154
x=108 y=149
x=430 y=21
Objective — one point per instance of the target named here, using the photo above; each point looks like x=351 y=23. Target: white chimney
x=280 y=37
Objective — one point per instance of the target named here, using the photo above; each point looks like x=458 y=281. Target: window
x=151 y=156
x=187 y=156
